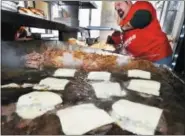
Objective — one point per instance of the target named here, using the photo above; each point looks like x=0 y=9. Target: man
x=141 y=34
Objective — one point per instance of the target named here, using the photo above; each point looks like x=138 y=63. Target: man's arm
x=141 y=19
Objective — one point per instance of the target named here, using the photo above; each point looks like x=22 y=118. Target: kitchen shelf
x=25 y=20
x=17 y=19
x=83 y=4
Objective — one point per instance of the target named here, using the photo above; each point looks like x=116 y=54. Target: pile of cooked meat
x=77 y=102
x=75 y=59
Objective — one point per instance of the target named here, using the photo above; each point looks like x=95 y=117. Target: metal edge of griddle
x=171 y=72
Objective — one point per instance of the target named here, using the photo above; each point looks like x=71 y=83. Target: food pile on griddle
x=103 y=45
x=76 y=102
x=93 y=44
x=73 y=41
x=59 y=58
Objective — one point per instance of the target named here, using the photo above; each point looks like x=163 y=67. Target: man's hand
x=126 y=27
x=114 y=38
x=109 y=40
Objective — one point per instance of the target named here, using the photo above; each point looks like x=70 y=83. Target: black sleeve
x=141 y=19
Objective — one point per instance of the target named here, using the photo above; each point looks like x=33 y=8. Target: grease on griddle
x=78 y=91
x=47 y=124
x=9 y=128
x=116 y=130
x=101 y=130
x=13 y=93
x=172 y=99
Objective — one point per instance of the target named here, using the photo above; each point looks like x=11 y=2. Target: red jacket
x=148 y=41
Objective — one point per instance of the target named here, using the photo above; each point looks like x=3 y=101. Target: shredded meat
x=90 y=61
x=53 y=57
x=142 y=65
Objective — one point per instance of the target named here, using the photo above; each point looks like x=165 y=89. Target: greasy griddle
x=171 y=100
x=19 y=76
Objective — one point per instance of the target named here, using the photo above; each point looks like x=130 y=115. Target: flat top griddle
x=171 y=100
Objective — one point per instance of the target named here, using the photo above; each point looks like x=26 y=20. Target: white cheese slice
x=11 y=85
x=26 y=85
x=80 y=119
x=137 y=118
x=40 y=87
x=105 y=76
x=54 y=83
x=62 y=72
x=34 y=104
x=139 y=74
x=107 y=89
x=145 y=86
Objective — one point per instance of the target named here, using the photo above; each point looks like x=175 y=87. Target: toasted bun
x=36 y=11
x=72 y=41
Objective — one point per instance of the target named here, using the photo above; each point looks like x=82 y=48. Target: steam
x=122 y=60
x=69 y=61
x=10 y=56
